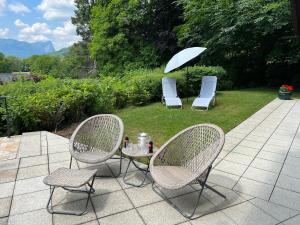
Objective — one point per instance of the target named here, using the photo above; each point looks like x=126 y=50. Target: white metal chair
x=170 y=96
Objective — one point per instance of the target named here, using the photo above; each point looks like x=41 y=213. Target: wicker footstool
x=71 y=180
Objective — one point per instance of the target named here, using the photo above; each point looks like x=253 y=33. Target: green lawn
x=160 y=123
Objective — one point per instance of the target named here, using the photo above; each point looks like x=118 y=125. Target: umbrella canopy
x=183 y=57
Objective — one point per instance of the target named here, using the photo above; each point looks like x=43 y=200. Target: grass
x=232 y=107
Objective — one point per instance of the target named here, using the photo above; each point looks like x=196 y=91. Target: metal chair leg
x=141 y=169
x=120 y=168
x=65 y=212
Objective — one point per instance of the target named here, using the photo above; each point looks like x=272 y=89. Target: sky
x=38 y=20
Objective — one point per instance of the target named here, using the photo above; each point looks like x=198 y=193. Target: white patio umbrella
x=183 y=57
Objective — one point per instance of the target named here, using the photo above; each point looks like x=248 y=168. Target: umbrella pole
x=187 y=83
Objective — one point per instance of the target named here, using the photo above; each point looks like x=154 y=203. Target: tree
x=129 y=34
x=82 y=18
x=252 y=39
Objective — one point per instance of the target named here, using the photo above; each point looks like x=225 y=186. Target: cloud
x=61 y=36
x=2 y=6
x=18 y=8
x=4 y=32
x=19 y=23
x=57 y=9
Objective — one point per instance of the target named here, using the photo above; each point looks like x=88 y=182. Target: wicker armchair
x=97 y=139
x=187 y=158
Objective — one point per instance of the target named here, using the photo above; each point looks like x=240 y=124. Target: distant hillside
x=24 y=49
x=61 y=52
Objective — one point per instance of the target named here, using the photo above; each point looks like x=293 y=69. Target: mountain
x=61 y=52
x=24 y=49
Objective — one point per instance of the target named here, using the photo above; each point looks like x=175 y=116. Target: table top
x=133 y=150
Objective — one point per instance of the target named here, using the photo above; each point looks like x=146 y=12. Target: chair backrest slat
x=208 y=86
x=169 y=87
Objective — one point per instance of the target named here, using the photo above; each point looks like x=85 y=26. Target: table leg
x=145 y=171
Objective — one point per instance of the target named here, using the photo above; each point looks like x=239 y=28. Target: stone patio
x=258 y=170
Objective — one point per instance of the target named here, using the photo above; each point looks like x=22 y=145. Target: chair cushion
x=70 y=178
x=171 y=177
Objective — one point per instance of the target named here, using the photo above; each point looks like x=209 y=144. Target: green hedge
x=45 y=104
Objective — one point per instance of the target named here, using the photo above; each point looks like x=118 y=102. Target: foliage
x=132 y=34
x=252 y=39
x=44 y=104
x=10 y=64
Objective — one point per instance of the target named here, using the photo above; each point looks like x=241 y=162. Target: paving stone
x=289 y=183
x=267 y=165
x=239 y=158
x=252 y=144
x=9 y=164
x=230 y=167
x=65 y=164
x=232 y=197
x=57 y=148
x=32 y=218
x=29 y=202
x=160 y=214
x=4 y=221
x=130 y=217
x=275 y=149
x=135 y=177
x=61 y=196
x=293 y=161
x=30 y=185
x=278 y=212
x=34 y=171
x=246 y=150
x=222 y=179
x=248 y=214
x=106 y=185
x=286 y=198
x=59 y=219
x=33 y=161
x=292 y=171
x=271 y=156
x=94 y=222
x=293 y=221
x=111 y=203
x=254 y=188
x=6 y=189
x=142 y=195
x=59 y=157
x=260 y=175
x=218 y=218
x=4 y=206
x=8 y=175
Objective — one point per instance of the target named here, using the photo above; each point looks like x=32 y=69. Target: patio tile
x=94 y=222
x=106 y=185
x=293 y=161
x=57 y=148
x=30 y=185
x=187 y=203
x=266 y=165
x=293 y=221
x=222 y=179
x=9 y=164
x=33 y=161
x=260 y=175
x=8 y=175
x=252 y=144
x=59 y=219
x=271 y=156
x=278 y=212
x=65 y=164
x=246 y=150
x=135 y=177
x=232 y=197
x=218 y=218
x=292 y=171
x=182 y=191
x=142 y=195
x=4 y=206
x=130 y=217
x=254 y=188
x=232 y=140
x=29 y=202
x=33 y=218
x=61 y=196
x=34 y=171
x=275 y=149
x=6 y=189
x=239 y=158
x=111 y=203
x=289 y=183
x=59 y=157
x=230 y=167
x=160 y=214
x=4 y=221
x=281 y=143
x=253 y=137
x=294 y=152
x=247 y=214
x=286 y=198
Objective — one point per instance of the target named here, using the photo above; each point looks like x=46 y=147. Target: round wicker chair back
x=100 y=136
x=193 y=149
